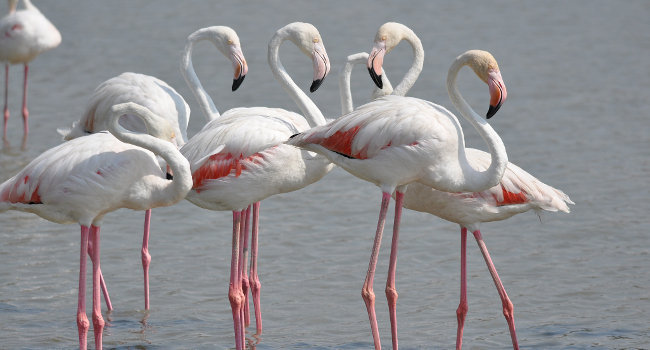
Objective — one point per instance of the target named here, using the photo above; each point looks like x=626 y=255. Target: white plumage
x=24 y=34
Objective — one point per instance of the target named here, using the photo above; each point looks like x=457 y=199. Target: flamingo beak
x=321 y=66
x=239 y=66
x=375 y=62
x=498 y=92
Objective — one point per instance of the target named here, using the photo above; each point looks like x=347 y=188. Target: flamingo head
x=388 y=36
x=227 y=41
x=486 y=68
x=309 y=41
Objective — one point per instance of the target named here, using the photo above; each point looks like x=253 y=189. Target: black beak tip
x=237 y=82
x=492 y=111
x=316 y=84
x=170 y=176
x=376 y=78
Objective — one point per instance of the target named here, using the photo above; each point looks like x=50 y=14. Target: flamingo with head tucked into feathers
x=517 y=192
x=84 y=179
x=239 y=159
x=396 y=140
x=24 y=34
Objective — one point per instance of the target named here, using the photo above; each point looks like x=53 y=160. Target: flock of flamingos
x=411 y=148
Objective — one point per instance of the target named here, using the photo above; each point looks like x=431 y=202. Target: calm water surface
x=576 y=117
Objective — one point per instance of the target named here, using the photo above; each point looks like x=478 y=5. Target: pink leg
x=505 y=301
x=146 y=257
x=98 y=321
x=25 y=111
x=367 y=292
x=82 y=319
x=462 y=307
x=242 y=234
x=255 y=280
x=245 y=282
x=102 y=284
x=6 y=109
x=235 y=294
x=391 y=292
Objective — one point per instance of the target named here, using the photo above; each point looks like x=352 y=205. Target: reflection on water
x=576 y=117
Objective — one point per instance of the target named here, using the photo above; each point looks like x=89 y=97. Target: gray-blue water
x=578 y=78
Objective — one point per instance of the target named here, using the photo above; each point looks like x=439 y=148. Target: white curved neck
x=345 y=93
x=204 y=100
x=477 y=180
x=308 y=108
x=416 y=67
x=169 y=192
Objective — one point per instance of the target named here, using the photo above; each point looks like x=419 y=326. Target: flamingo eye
x=229 y=41
x=316 y=40
x=383 y=38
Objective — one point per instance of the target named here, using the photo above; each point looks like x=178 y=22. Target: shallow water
x=576 y=117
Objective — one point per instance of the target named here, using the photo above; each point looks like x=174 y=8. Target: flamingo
x=239 y=159
x=517 y=192
x=396 y=140
x=162 y=100
x=84 y=179
x=26 y=33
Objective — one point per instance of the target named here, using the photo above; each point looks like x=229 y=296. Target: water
x=576 y=117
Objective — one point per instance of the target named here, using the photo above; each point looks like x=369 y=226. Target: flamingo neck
x=347 y=103
x=166 y=192
x=416 y=67
x=29 y=6
x=204 y=100
x=476 y=180
x=308 y=108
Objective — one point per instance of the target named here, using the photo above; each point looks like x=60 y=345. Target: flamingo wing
x=386 y=122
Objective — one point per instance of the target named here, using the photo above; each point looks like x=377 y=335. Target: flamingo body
x=26 y=33
x=518 y=192
x=82 y=180
x=240 y=158
x=145 y=90
x=415 y=139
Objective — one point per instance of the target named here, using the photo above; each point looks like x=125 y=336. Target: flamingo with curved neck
x=225 y=39
x=518 y=192
x=396 y=140
x=85 y=178
x=239 y=159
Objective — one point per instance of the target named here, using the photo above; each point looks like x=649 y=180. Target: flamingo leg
x=102 y=284
x=254 y=278
x=98 y=321
x=82 y=319
x=367 y=292
x=235 y=294
x=146 y=257
x=6 y=108
x=240 y=267
x=245 y=282
x=391 y=292
x=462 y=306
x=505 y=301
x=25 y=111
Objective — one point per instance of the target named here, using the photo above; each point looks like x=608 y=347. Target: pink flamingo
x=83 y=179
x=517 y=192
x=239 y=159
x=25 y=34
x=151 y=93
x=396 y=140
